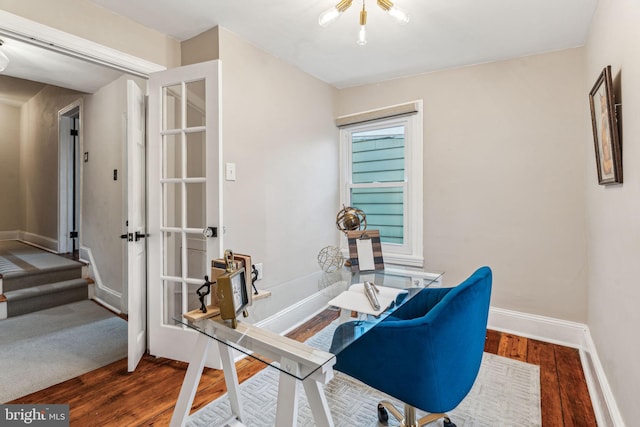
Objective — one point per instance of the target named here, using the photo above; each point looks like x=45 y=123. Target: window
x=382 y=175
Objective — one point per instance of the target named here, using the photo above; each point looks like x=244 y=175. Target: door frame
x=65 y=168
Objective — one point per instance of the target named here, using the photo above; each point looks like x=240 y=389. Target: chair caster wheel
x=446 y=422
x=383 y=415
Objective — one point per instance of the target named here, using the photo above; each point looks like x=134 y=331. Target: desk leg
x=231 y=379
x=287 y=406
x=318 y=403
x=191 y=381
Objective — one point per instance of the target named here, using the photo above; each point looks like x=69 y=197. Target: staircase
x=33 y=280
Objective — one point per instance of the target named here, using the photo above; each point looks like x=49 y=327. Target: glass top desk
x=259 y=336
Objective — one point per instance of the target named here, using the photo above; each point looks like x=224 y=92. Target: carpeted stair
x=32 y=279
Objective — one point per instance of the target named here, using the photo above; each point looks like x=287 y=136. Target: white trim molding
x=103 y=294
x=58 y=41
x=604 y=403
x=43 y=242
x=570 y=334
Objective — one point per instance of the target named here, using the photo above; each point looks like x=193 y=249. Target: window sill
x=403 y=260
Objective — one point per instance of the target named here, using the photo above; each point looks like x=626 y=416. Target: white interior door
x=184 y=199
x=136 y=227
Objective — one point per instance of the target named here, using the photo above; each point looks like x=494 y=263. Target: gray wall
x=10 y=218
x=613 y=211
x=39 y=160
x=503 y=175
x=103 y=203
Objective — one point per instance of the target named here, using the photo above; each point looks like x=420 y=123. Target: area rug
x=41 y=349
x=506 y=393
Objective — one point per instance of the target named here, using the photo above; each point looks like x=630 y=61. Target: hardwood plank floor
x=111 y=396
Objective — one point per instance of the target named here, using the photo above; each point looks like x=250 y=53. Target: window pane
x=378 y=155
x=172 y=156
x=196 y=103
x=173 y=255
x=196 y=256
x=172 y=98
x=196 y=206
x=196 y=155
x=384 y=208
x=172 y=212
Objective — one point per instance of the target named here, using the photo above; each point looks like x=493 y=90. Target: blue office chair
x=427 y=354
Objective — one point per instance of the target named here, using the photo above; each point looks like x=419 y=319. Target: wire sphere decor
x=350 y=218
x=330 y=259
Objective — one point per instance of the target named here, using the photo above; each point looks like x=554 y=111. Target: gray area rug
x=41 y=349
x=506 y=393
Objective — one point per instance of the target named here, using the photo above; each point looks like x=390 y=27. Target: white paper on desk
x=365 y=254
x=354 y=299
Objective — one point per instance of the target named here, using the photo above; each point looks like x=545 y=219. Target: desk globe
x=330 y=259
x=350 y=218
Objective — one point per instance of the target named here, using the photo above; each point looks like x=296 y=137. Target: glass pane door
x=184 y=198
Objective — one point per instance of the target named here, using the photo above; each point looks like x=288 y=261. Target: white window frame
x=410 y=253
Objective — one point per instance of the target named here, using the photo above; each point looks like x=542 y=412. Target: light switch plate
x=230 y=171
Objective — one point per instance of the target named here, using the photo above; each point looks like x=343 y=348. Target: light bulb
x=330 y=15
x=362 y=36
x=400 y=15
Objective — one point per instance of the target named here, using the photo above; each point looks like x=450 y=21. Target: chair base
x=409 y=417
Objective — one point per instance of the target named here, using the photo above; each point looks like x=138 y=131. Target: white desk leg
x=191 y=381
x=287 y=406
x=318 y=403
x=231 y=379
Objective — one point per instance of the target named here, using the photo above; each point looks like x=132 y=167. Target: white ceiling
x=441 y=34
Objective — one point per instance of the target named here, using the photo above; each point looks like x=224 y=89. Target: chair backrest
x=431 y=361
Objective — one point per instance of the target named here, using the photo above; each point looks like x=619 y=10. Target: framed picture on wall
x=605 y=130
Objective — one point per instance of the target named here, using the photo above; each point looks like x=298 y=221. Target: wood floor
x=111 y=396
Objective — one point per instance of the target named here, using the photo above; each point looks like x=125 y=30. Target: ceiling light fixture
x=330 y=15
x=4 y=60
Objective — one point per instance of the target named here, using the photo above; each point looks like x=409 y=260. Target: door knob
x=127 y=236
x=210 y=232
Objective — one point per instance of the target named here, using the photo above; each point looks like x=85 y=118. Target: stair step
x=14 y=281
x=40 y=297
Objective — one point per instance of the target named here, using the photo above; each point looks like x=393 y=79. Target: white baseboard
x=548 y=329
x=102 y=293
x=9 y=235
x=570 y=334
x=43 y=242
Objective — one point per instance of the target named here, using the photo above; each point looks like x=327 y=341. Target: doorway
x=70 y=179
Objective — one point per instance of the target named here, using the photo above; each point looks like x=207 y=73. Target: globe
x=330 y=259
x=350 y=218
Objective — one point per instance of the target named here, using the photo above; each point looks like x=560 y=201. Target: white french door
x=136 y=290
x=184 y=199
